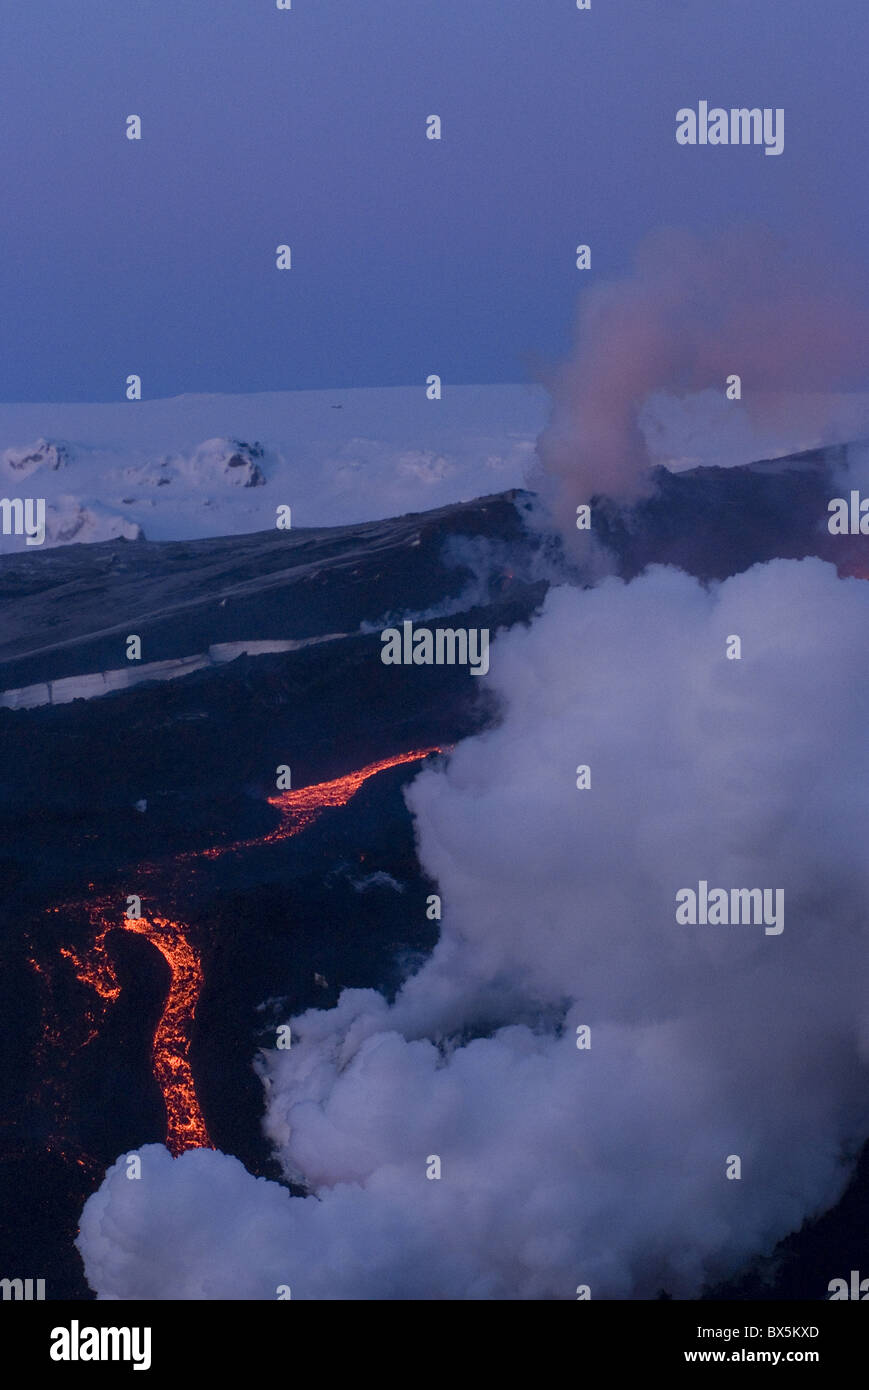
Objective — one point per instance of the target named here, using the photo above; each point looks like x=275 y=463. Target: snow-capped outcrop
x=71 y=521
x=242 y=467
x=215 y=462
x=210 y=467
x=44 y=454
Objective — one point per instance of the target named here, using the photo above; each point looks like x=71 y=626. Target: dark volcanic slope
x=67 y=611
x=202 y=749
x=195 y=744
x=715 y=522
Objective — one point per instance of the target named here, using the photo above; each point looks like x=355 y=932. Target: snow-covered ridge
x=220 y=465
x=198 y=466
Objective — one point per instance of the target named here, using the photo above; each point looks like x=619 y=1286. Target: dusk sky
x=409 y=256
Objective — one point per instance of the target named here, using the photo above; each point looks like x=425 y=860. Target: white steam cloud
x=563 y=1166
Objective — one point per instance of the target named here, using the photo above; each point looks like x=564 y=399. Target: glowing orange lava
x=185 y=1125
x=299 y=809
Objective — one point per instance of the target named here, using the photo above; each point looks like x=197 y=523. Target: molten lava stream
x=301 y=808
x=185 y=1126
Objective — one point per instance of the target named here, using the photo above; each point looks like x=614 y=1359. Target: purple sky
x=410 y=256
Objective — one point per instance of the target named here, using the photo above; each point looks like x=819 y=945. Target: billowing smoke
x=563 y=1166
x=692 y=314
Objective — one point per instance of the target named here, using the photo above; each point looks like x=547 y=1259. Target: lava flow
x=185 y=1125
x=301 y=808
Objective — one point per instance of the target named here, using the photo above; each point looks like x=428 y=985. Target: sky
x=410 y=256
